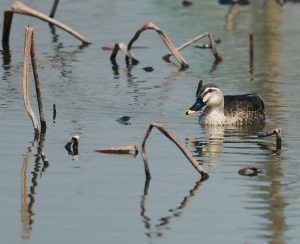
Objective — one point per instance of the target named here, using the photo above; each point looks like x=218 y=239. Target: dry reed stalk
x=121 y=46
x=216 y=54
x=165 y=39
x=20 y=8
x=53 y=10
x=277 y=132
x=160 y=127
x=123 y=150
x=27 y=48
x=37 y=85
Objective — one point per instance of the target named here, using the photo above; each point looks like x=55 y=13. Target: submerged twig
x=218 y=57
x=277 y=132
x=53 y=10
x=20 y=8
x=195 y=164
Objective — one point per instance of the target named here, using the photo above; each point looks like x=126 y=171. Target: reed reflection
x=158 y=228
x=267 y=23
x=28 y=199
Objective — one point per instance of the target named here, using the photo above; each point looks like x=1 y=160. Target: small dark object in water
x=241 y=2
x=250 y=171
x=148 y=69
x=124 y=120
x=217 y=41
x=72 y=145
x=187 y=3
x=54 y=112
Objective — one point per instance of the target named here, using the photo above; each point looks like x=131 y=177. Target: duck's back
x=247 y=108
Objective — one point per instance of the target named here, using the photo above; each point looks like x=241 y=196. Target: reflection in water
x=163 y=223
x=266 y=24
x=28 y=199
x=271 y=196
x=209 y=149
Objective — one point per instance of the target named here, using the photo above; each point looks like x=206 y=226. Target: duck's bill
x=196 y=107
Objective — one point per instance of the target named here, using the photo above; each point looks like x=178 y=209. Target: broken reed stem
x=20 y=8
x=165 y=39
x=277 y=132
x=27 y=47
x=251 y=51
x=54 y=7
x=218 y=57
x=37 y=86
x=121 y=46
x=195 y=164
x=8 y=16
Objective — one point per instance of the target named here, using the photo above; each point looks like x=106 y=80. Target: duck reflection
x=162 y=224
x=210 y=148
x=28 y=199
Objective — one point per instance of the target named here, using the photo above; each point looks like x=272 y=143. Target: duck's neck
x=214 y=116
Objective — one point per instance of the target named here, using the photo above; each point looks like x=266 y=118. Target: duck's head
x=208 y=95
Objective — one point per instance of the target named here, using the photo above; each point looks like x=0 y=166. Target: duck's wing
x=243 y=103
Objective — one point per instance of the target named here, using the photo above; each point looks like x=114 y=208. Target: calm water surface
x=95 y=198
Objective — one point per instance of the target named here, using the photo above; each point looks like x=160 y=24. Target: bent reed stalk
x=29 y=51
x=20 y=8
x=160 y=127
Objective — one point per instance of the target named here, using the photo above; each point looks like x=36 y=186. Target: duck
x=217 y=109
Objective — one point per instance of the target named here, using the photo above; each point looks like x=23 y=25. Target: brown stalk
x=160 y=127
x=165 y=39
x=20 y=8
x=122 y=150
x=27 y=48
x=218 y=57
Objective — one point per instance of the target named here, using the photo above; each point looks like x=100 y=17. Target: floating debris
x=124 y=120
x=72 y=147
x=187 y=3
x=203 y=46
x=130 y=151
x=148 y=69
x=250 y=171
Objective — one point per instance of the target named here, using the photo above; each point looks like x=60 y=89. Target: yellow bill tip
x=189 y=111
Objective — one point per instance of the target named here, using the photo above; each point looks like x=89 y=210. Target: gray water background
x=97 y=198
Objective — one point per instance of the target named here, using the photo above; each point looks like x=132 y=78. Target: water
x=96 y=198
